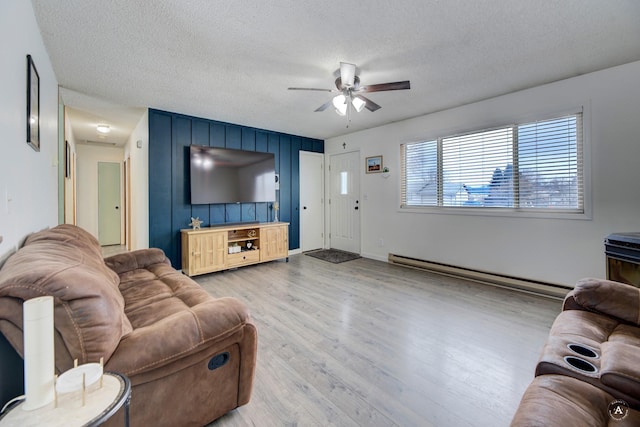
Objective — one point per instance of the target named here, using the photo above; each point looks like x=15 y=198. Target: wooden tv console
x=228 y=246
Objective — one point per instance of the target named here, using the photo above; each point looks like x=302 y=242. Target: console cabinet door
x=206 y=252
x=275 y=242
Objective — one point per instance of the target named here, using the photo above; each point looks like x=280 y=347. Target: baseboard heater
x=524 y=285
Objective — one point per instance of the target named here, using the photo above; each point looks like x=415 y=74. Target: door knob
x=117 y=207
x=304 y=207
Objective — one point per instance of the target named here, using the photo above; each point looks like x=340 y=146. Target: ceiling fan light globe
x=358 y=104
x=339 y=100
x=340 y=103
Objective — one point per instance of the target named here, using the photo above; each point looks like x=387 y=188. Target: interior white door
x=345 y=201
x=109 y=212
x=311 y=201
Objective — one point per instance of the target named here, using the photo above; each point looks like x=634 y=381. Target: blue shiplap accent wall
x=170 y=210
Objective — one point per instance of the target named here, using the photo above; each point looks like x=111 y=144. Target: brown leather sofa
x=590 y=360
x=190 y=357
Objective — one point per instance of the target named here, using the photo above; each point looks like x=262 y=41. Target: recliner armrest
x=620 y=367
x=141 y=258
x=607 y=297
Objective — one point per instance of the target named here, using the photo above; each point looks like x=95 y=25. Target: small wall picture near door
x=374 y=164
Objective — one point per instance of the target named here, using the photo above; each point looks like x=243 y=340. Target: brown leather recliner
x=591 y=358
x=561 y=401
x=190 y=357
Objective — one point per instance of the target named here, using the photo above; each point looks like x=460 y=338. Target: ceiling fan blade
x=369 y=104
x=323 y=106
x=311 y=88
x=386 y=86
x=347 y=73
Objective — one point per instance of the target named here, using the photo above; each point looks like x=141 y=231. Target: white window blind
x=473 y=167
x=530 y=166
x=550 y=164
x=420 y=174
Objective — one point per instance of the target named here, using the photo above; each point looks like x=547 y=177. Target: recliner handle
x=219 y=360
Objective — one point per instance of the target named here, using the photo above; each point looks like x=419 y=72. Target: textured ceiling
x=234 y=60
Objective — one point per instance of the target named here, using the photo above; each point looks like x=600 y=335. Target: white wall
x=28 y=178
x=550 y=250
x=87 y=183
x=139 y=158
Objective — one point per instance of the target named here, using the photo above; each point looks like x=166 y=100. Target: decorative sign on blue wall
x=170 y=210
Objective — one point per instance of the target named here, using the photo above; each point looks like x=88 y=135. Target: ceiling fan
x=350 y=91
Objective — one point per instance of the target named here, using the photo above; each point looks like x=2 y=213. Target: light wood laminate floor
x=366 y=343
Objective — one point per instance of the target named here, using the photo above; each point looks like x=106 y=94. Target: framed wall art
x=374 y=164
x=33 y=105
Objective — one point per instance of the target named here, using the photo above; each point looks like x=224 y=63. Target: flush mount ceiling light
x=104 y=129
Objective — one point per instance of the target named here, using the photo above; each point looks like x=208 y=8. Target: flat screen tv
x=222 y=175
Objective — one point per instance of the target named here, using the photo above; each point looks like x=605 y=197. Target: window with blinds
x=530 y=166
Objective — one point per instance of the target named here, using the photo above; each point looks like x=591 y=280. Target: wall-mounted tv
x=222 y=175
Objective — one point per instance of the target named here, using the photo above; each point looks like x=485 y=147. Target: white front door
x=311 y=201
x=345 y=201
x=109 y=215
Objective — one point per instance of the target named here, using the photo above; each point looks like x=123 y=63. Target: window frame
x=516 y=212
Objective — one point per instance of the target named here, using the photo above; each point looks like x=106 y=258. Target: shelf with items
x=243 y=240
